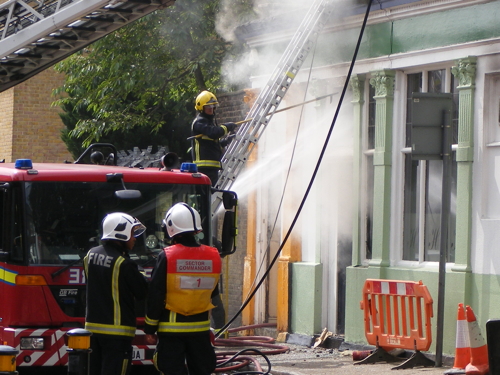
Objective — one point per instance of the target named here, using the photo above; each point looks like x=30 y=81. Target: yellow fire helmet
x=205 y=98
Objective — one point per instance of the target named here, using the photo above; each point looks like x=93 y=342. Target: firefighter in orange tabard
x=184 y=280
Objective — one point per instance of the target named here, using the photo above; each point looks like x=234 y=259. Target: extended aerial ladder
x=270 y=97
x=36 y=34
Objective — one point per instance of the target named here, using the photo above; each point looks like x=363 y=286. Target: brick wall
x=6 y=119
x=232 y=107
x=30 y=126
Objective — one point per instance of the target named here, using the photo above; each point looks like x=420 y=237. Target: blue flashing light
x=189 y=167
x=24 y=164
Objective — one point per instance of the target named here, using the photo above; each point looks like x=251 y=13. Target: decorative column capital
x=357 y=84
x=465 y=72
x=383 y=81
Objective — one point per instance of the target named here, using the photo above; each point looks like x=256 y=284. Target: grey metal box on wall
x=429 y=113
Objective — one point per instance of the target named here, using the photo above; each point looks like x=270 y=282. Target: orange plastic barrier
x=397 y=314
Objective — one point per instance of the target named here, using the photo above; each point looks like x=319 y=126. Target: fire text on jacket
x=100 y=259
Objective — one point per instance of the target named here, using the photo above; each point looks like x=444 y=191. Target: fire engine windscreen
x=63 y=219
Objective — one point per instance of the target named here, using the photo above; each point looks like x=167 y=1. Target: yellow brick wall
x=6 y=117
x=30 y=127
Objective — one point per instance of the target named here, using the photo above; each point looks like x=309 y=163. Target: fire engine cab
x=50 y=216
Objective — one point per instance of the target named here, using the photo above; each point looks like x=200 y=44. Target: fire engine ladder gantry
x=270 y=97
x=36 y=34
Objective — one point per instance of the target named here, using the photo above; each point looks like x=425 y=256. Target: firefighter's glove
x=230 y=126
x=227 y=140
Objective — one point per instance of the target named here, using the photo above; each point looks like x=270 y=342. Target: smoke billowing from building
x=274 y=185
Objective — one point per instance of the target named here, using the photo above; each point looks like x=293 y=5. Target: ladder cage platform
x=36 y=34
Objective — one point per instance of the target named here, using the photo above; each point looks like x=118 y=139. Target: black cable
x=313 y=177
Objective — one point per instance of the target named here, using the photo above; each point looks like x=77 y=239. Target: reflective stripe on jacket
x=206 y=150
x=113 y=284
x=109 y=329
x=173 y=326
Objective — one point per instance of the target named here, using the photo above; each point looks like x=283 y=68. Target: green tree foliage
x=139 y=83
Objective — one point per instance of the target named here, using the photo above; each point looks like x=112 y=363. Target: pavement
x=298 y=356
x=322 y=361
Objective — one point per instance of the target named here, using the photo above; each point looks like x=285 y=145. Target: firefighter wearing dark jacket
x=208 y=137
x=113 y=284
x=184 y=280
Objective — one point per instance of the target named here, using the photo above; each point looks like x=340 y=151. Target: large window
x=423 y=180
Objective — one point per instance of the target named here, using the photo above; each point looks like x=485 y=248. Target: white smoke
x=255 y=65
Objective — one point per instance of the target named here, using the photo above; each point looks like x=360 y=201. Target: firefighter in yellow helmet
x=183 y=283
x=209 y=138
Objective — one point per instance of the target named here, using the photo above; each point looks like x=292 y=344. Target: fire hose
x=229 y=360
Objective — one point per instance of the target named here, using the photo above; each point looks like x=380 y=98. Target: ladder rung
x=240 y=158
x=102 y=19
x=47 y=46
x=117 y=10
x=64 y=37
x=84 y=28
x=29 y=55
x=11 y=63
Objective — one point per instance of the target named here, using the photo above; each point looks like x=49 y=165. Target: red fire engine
x=51 y=216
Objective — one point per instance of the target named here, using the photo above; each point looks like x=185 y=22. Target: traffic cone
x=478 y=349
x=462 y=346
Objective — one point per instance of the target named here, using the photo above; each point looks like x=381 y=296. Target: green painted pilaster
x=383 y=82
x=465 y=72
x=306 y=288
x=357 y=84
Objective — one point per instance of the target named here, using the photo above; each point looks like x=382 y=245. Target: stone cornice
x=376 y=16
x=405 y=11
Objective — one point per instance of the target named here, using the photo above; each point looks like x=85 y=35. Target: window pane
x=452 y=227
x=15 y=212
x=411 y=187
x=369 y=207
x=411 y=210
x=454 y=91
x=433 y=207
x=371 y=117
x=369 y=173
x=63 y=218
x=414 y=82
x=435 y=81
x=432 y=234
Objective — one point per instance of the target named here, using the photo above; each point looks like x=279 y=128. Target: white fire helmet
x=182 y=218
x=120 y=226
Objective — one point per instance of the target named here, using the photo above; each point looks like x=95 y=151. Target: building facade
x=374 y=210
